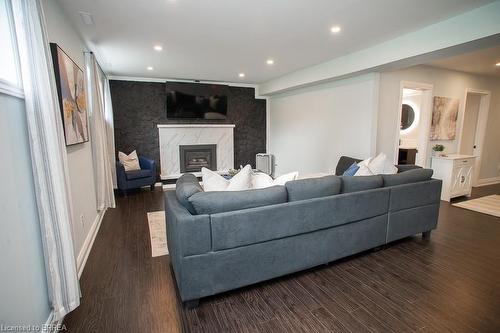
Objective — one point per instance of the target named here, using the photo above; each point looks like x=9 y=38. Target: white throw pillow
x=130 y=162
x=363 y=171
x=382 y=165
x=212 y=181
x=262 y=180
x=281 y=180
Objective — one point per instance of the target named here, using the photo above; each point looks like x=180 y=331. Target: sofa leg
x=192 y=303
x=426 y=235
x=152 y=187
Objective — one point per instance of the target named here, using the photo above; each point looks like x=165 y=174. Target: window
x=10 y=81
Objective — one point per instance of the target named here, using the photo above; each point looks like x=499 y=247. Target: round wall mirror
x=407 y=116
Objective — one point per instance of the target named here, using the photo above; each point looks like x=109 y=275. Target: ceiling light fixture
x=335 y=29
x=497 y=64
x=270 y=62
x=149 y=68
x=241 y=75
x=158 y=48
x=86 y=18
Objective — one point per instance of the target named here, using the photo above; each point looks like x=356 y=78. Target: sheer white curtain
x=101 y=128
x=48 y=154
x=110 y=129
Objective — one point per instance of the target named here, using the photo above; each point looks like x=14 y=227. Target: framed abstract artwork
x=444 y=118
x=70 y=84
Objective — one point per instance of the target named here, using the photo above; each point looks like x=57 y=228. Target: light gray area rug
x=488 y=205
x=158 y=233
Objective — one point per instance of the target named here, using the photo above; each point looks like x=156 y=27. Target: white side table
x=456 y=172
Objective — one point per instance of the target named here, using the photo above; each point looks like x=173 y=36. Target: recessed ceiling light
x=335 y=29
x=270 y=61
x=497 y=64
x=149 y=68
x=241 y=75
x=158 y=47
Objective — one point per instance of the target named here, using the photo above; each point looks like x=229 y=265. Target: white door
x=471 y=113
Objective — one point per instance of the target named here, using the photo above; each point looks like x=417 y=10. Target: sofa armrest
x=187 y=234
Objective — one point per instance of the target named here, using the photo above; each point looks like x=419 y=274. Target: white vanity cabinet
x=456 y=172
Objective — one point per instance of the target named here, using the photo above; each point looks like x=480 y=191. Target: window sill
x=10 y=89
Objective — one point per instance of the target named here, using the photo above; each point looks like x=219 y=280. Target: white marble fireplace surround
x=175 y=135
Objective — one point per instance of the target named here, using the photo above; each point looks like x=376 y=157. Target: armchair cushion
x=136 y=174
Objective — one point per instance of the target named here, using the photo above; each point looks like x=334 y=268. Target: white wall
x=81 y=172
x=23 y=286
x=449 y=84
x=311 y=128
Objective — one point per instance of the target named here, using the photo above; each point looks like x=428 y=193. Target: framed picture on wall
x=70 y=84
x=444 y=118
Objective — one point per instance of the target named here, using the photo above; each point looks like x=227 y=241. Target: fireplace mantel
x=171 y=136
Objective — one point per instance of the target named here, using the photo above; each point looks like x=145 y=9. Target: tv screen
x=181 y=105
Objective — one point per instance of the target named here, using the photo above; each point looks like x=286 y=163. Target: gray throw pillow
x=360 y=183
x=226 y=201
x=185 y=187
x=303 y=189
x=407 y=177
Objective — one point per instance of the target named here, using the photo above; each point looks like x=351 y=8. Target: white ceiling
x=217 y=39
x=478 y=62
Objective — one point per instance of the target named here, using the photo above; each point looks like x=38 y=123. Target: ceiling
x=217 y=39
x=480 y=62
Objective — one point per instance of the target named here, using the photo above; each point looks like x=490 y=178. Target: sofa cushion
x=313 y=188
x=361 y=183
x=263 y=180
x=344 y=163
x=351 y=171
x=406 y=177
x=262 y=224
x=222 y=201
x=212 y=181
x=380 y=164
x=136 y=174
x=185 y=187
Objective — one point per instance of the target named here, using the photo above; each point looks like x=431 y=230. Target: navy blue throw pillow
x=351 y=171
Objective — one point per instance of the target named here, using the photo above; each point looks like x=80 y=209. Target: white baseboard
x=488 y=181
x=89 y=241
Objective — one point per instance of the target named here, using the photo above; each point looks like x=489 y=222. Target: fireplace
x=195 y=157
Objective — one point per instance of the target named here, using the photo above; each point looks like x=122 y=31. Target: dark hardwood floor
x=448 y=284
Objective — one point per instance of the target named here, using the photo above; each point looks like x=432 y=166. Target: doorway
x=413 y=125
x=473 y=127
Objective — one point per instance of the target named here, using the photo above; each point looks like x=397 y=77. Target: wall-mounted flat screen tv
x=182 y=105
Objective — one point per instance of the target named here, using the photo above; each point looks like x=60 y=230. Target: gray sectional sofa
x=220 y=241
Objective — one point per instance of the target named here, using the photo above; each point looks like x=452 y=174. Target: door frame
x=482 y=121
x=425 y=120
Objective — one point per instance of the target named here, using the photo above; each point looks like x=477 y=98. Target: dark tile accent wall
x=139 y=106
